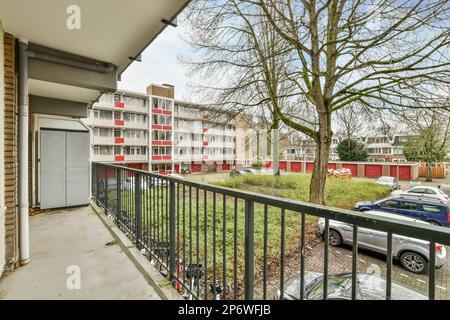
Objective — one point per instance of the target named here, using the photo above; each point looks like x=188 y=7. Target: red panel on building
x=120 y=140
x=226 y=166
x=158 y=111
x=167 y=112
x=119 y=122
x=196 y=167
x=167 y=127
x=120 y=158
x=205 y=143
x=353 y=168
x=177 y=168
x=332 y=166
x=205 y=117
x=309 y=166
x=167 y=157
x=120 y=105
x=373 y=170
x=404 y=172
x=156 y=143
x=137 y=166
x=268 y=164
x=283 y=165
x=166 y=143
x=156 y=127
x=205 y=130
x=156 y=157
x=205 y=156
x=296 y=166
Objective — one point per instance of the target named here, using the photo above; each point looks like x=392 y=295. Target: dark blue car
x=430 y=210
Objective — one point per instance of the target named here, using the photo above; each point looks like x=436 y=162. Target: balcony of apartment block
x=131 y=107
x=197 y=144
x=229 y=132
x=184 y=143
x=229 y=144
x=136 y=157
x=135 y=125
x=161 y=157
x=102 y=122
x=184 y=157
x=103 y=158
x=213 y=131
x=134 y=141
x=103 y=140
x=188 y=115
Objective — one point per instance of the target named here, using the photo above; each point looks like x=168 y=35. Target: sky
x=160 y=65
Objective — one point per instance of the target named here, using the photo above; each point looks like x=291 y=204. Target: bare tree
x=327 y=55
x=350 y=122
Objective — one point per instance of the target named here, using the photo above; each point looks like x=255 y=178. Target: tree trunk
x=276 y=151
x=429 y=172
x=319 y=174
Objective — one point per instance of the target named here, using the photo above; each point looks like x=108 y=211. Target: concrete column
x=23 y=154
x=361 y=170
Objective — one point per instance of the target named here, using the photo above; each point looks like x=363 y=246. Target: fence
x=221 y=243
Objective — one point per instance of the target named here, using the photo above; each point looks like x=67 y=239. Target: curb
x=162 y=286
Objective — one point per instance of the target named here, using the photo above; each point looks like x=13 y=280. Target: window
x=431 y=208
x=408 y=205
x=429 y=191
x=417 y=190
x=388 y=204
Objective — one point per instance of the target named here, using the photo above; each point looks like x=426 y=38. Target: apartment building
x=204 y=139
x=119 y=129
x=155 y=132
x=381 y=148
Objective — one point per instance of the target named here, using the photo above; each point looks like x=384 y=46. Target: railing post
x=118 y=192
x=172 y=252
x=249 y=248
x=106 y=188
x=138 y=208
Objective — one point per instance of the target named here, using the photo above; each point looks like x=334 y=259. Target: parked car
x=424 y=191
x=370 y=287
x=250 y=170
x=430 y=210
x=235 y=173
x=413 y=254
x=388 y=181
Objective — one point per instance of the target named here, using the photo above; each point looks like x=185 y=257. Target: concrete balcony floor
x=75 y=237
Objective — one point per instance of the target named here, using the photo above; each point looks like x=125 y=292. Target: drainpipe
x=24 y=241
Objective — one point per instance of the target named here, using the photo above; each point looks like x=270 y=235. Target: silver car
x=413 y=254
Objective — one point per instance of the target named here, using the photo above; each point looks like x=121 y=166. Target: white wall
x=2 y=155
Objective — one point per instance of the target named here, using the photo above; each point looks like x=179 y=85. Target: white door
x=64 y=168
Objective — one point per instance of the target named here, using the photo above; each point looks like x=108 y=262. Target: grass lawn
x=199 y=227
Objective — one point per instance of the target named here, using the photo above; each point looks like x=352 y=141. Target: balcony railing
x=221 y=243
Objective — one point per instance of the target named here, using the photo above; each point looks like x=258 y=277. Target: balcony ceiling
x=111 y=30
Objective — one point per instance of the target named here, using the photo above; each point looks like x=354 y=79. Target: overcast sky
x=160 y=65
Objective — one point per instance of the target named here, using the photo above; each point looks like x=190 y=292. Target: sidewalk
x=77 y=238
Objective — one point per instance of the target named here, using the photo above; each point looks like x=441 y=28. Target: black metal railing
x=221 y=243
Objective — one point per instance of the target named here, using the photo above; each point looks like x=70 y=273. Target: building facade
x=381 y=148
x=156 y=133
